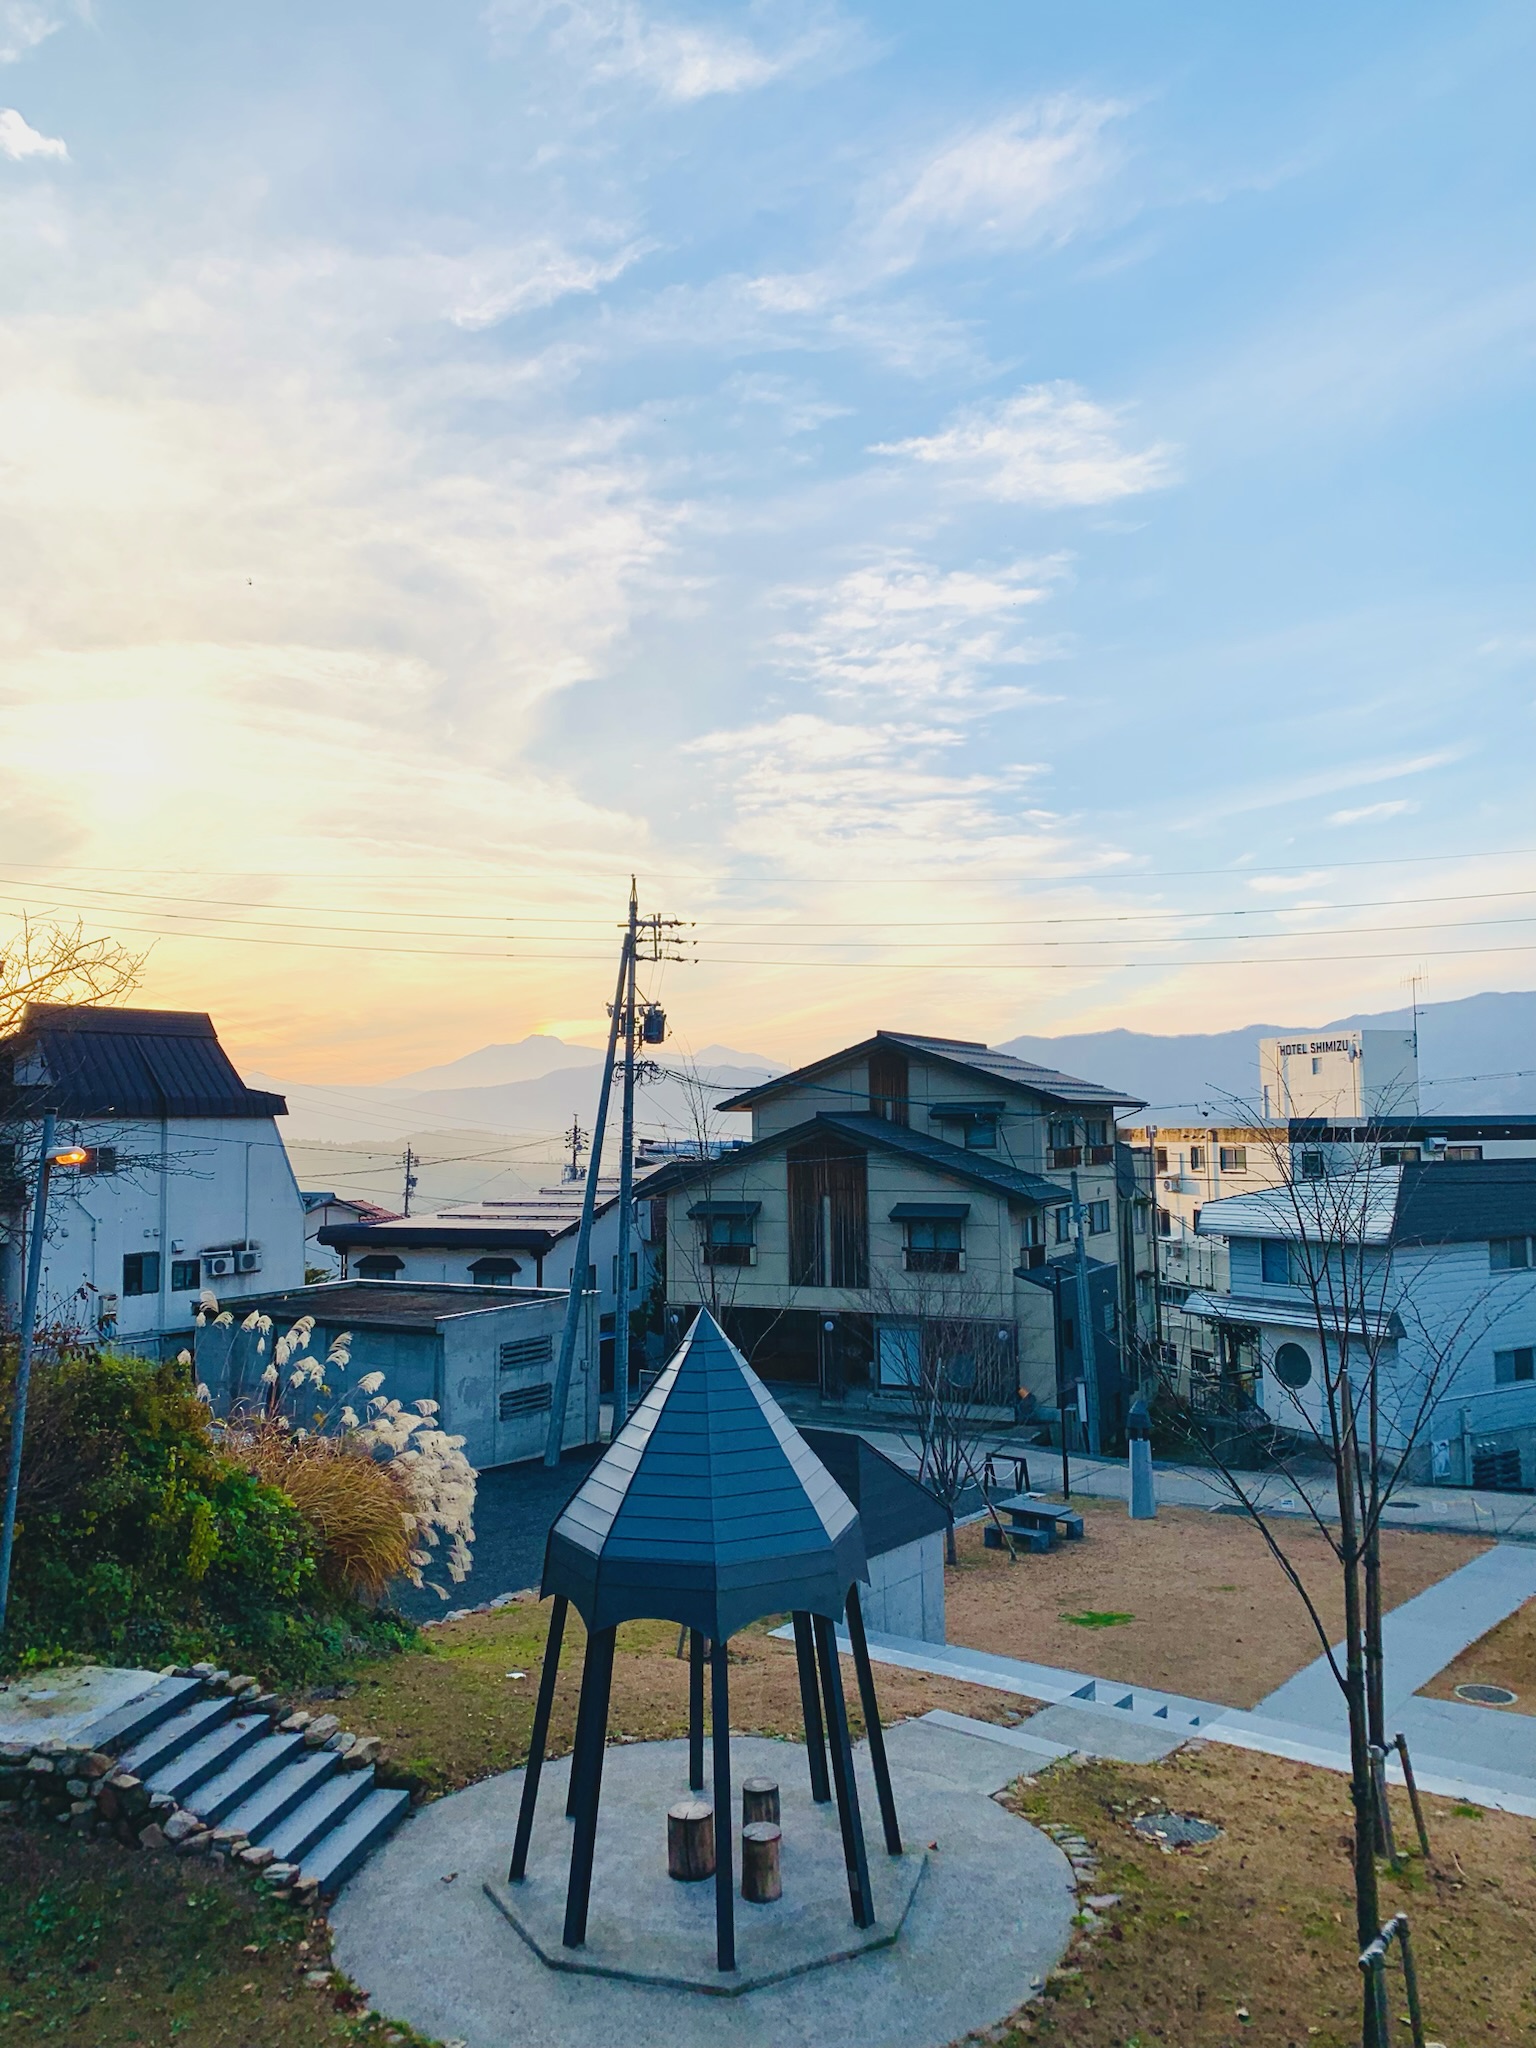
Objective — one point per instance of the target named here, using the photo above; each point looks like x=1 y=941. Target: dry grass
x=1252 y=1939
x=1505 y=1656
x=452 y=1713
x=1211 y=1614
x=357 y=1506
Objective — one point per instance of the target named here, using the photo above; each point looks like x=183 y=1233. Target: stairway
x=239 y=1772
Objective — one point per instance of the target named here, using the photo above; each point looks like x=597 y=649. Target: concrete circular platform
x=979 y=1907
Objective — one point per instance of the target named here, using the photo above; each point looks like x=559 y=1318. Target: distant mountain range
x=1475 y=1054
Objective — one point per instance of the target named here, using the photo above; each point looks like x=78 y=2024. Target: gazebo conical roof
x=708 y=1509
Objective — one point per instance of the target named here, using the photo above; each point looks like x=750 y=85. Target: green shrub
x=138 y=1540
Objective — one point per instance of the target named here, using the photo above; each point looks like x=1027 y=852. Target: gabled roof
x=708 y=1509
x=83 y=1062
x=1433 y=1202
x=952 y=1160
x=967 y=1055
x=894 y=1508
x=525 y=1223
x=1308 y=1209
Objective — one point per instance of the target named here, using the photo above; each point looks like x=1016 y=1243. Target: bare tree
x=57 y=963
x=1359 y=1405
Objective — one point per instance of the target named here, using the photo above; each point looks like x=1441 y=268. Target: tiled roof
x=383 y=1304
x=968 y=1054
x=82 y=1062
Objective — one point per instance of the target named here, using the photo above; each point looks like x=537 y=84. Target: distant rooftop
x=85 y=1062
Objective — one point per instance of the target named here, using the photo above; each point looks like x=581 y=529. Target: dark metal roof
x=128 y=1063
x=968 y=1055
x=1395 y=1129
x=709 y=1509
x=1459 y=1202
x=953 y=1160
x=894 y=1508
x=912 y=1212
x=383 y=1304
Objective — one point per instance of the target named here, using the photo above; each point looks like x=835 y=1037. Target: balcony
x=1063 y=1156
x=1101 y=1155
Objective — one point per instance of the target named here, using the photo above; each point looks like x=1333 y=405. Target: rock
x=341 y=1741
x=42 y=1765
x=280 y=1875
x=294 y=1722
x=365 y=1749
x=317 y=1978
x=180 y=1825
x=265 y=1703
x=152 y=1837
x=203 y=1670
x=257 y=1857
x=161 y=1802
x=14 y=1752
x=243 y=1682
x=306 y=1890
x=108 y=1804
x=195 y=1845
x=319 y=1732
x=77 y=1788
x=1102 y=1901
x=95 y=1764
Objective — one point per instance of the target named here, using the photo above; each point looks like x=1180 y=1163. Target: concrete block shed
x=486 y=1355
x=904 y=1529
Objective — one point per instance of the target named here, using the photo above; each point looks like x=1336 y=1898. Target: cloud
x=17 y=140
x=523 y=280
x=1050 y=445
x=1367 y=812
x=679 y=61
x=24 y=24
x=898 y=631
x=1022 y=179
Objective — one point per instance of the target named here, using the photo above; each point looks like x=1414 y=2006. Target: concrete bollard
x=1138 y=1429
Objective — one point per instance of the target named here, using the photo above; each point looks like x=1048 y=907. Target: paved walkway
x=1462 y=1751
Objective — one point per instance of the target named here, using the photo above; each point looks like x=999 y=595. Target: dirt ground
x=462 y=1707
x=1252 y=1939
x=1211 y=1614
x=1505 y=1656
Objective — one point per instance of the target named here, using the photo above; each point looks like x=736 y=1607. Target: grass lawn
x=1505 y=1656
x=1252 y=1938
x=1199 y=1605
x=101 y=1947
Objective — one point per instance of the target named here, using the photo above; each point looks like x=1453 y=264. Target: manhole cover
x=1487 y=1695
x=1175 y=1830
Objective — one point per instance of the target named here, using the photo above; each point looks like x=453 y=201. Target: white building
x=322 y=1208
x=1342 y=1075
x=186 y=1183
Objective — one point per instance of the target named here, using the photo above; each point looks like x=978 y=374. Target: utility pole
x=626 y=1185
x=576 y=1138
x=410 y=1163
x=1087 y=1348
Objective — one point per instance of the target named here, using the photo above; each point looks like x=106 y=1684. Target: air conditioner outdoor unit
x=219 y=1265
x=248 y=1262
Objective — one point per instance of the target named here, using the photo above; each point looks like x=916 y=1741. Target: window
x=730 y=1240
x=1275 y=1262
x=828 y=1214
x=1164 y=1223
x=1467 y=1154
x=1509 y=1366
x=1139 y=1219
x=889 y=1086
x=1234 y=1158
x=1032 y=1229
x=1293 y=1368
x=1202 y=1364
x=1063 y=1133
x=981 y=1134
x=99 y=1159
x=1096 y=1216
x=1403 y=1155
x=1160 y=1159
x=1197 y=1159
x=489 y=1272
x=186 y=1275
x=1096 y=1131
x=141 y=1273
x=1506 y=1254
x=1312 y=1166
x=935 y=1244
x=1063 y=1226
x=380 y=1266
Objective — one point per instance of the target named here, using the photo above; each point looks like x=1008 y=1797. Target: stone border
x=87 y=1791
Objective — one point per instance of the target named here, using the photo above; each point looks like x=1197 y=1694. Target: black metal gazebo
x=709 y=1509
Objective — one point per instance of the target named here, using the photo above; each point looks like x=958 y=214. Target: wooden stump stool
x=759 y=1800
x=691 y=1840
x=760 y=1880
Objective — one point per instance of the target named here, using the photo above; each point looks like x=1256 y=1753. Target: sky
x=1004 y=517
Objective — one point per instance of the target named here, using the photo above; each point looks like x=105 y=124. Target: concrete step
x=337 y=1854
x=272 y=1802
x=243 y=1778
x=131 y=1723
x=154 y=1751
x=206 y=1757
x=295 y=1835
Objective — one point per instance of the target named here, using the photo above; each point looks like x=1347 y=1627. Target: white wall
x=905 y=1594
x=182 y=1188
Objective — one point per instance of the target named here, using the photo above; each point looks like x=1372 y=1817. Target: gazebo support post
x=810 y=1709
x=587 y=1777
x=874 y=1733
x=725 y=1876
x=578 y=1745
x=539 y=1739
x=854 y=1853
x=695 y=1711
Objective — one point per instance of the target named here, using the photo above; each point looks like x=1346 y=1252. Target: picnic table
x=1033 y=1524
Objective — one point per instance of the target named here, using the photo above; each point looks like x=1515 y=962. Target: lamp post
x=49 y=1157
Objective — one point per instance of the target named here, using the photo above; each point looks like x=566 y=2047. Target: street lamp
x=50 y=1155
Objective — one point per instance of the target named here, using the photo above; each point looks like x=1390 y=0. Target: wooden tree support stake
x=761 y=1883
x=691 y=1840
